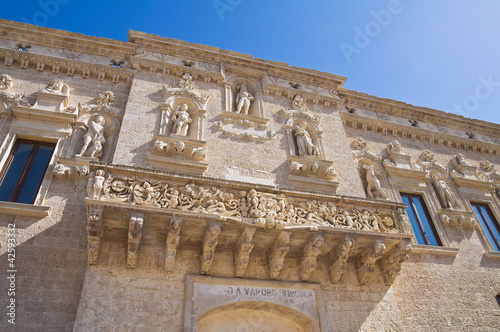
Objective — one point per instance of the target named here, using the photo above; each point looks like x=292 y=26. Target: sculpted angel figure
x=94 y=135
x=373 y=183
x=243 y=100
x=182 y=120
x=304 y=141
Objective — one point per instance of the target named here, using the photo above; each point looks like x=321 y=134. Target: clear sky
x=441 y=54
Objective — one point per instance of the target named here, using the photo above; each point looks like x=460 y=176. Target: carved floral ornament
x=266 y=210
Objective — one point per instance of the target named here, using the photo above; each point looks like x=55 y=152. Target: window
x=421 y=222
x=489 y=224
x=24 y=170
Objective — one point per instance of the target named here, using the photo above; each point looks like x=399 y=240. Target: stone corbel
x=134 y=238
x=277 y=252
x=338 y=259
x=243 y=249
x=94 y=233
x=390 y=265
x=210 y=241
x=457 y=218
x=173 y=238
x=365 y=262
x=309 y=256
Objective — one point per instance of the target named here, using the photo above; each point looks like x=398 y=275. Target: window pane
x=426 y=223
x=16 y=168
x=413 y=220
x=35 y=175
x=489 y=225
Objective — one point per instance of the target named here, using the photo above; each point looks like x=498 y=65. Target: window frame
x=430 y=221
x=494 y=219
x=28 y=166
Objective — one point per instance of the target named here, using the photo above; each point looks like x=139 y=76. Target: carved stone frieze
x=72 y=171
x=309 y=256
x=188 y=149
x=94 y=233
x=185 y=86
x=173 y=239
x=277 y=252
x=105 y=103
x=318 y=168
x=338 y=259
x=134 y=238
x=365 y=262
x=246 y=127
x=457 y=218
x=210 y=241
x=390 y=264
x=263 y=209
x=243 y=249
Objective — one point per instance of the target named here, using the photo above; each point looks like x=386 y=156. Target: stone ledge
x=26 y=210
x=433 y=250
x=493 y=255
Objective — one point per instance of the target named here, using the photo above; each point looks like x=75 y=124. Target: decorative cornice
x=398 y=130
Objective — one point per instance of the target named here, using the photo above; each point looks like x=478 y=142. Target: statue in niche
x=243 y=99
x=304 y=141
x=181 y=120
x=57 y=87
x=445 y=194
x=94 y=135
x=373 y=183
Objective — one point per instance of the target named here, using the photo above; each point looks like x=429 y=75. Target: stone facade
x=197 y=189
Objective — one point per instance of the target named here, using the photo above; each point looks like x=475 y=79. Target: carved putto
x=188 y=151
x=260 y=208
x=312 y=168
x=304 y=141
x=243 y=100
x=93 y=139
x=487 y=171
x=181 y=119
x=362 y=150
x=426 y=162
x=105 y=103
x=186 y=86
x=300 y=110
x=57 y=87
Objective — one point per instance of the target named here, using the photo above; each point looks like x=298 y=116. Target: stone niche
x=227 y=304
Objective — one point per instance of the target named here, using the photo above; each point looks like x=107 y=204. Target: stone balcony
x=186 y=212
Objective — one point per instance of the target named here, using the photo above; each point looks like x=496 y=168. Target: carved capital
x=390 y=265
x=210 y=241
x=365 y=263
x=277 y=252
x=338 y=259
x=134 y=238
x=309 y=256
x=173 y=238
x=94 y=233
x=243 y=249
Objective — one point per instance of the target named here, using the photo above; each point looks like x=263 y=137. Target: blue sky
x=440 y=54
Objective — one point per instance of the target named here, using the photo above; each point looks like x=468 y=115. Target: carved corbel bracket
x=94 y=233
x=277 y=252
x=338 y=259
x=457 y=218
x=390 y=264
x=134 y=238
x=243 y=249
x=309 y=256
x=365 y=262
x=210 y=241
x=173 y=239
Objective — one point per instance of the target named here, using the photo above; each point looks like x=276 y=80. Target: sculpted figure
x=94 y=135
x=394 y=147
x=445 y=194
x=5 y=82
x=373 y=183
x=57 y=87
x=243 y=100
x=460 y=160
x=182 y=120
x=304 y=141
x=96 y=184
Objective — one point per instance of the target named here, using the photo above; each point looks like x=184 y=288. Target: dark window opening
x=488 y=223
x=420 y=219
x=24 y=170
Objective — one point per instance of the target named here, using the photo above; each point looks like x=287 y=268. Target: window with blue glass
x=24 y=170
x=488 y=223
x=421 y=222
